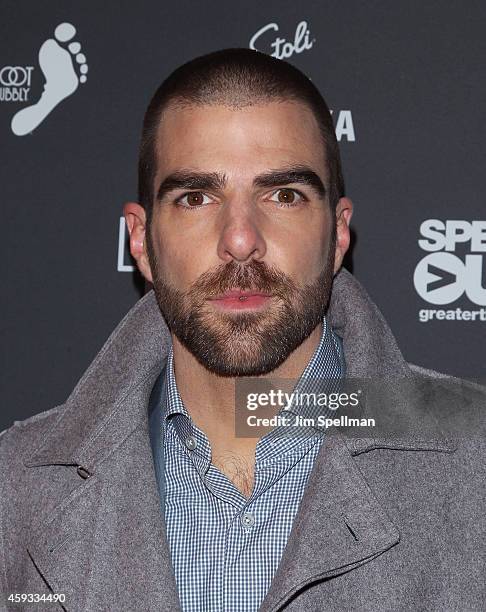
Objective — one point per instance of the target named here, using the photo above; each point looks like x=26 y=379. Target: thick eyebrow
x=291 y=174
x=190 y=179
x=213 y=181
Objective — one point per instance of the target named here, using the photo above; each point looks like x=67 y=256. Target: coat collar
x=103 y=427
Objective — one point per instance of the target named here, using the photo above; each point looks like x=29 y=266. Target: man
x=138 y=494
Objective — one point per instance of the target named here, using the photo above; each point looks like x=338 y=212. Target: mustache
x=253 y=276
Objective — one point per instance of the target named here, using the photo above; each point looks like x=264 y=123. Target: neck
x=209 y=398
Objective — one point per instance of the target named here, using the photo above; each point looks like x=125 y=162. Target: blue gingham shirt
x=225 y=548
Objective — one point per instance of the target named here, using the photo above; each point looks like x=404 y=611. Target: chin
x=222 y=363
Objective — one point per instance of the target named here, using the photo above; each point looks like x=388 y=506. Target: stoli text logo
x=281 y=48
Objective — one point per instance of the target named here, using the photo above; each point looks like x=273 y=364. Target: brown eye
x=195 y=199
x=286 y=197
x=192 y=199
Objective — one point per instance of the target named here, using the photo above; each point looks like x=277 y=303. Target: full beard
x=244 y=343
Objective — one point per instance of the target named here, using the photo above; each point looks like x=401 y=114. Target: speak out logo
x=455 y=264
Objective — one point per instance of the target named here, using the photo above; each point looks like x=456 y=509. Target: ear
x=344 y=212
x=135 y=219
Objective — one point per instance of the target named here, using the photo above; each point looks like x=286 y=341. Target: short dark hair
x=235 y=77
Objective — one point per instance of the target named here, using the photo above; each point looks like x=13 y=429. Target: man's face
x=272 y=237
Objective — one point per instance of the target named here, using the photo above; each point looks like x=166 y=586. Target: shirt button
x=191 y=442
x=247 y=519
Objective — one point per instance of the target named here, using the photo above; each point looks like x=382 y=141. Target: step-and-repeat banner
x=405 y=82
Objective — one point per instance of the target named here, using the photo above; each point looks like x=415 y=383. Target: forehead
x=239 y=141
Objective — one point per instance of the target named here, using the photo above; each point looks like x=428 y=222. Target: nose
x=240 y=236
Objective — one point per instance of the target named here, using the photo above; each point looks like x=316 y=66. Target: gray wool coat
x=385 y=524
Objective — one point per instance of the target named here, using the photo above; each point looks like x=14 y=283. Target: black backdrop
x=406 y=84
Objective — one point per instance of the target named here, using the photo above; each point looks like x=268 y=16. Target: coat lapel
x=339 y=526
x=105 y=545
x=101 y=540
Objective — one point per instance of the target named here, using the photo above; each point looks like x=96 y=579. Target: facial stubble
x=243 y=343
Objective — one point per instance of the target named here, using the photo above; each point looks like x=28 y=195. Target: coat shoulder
x=457 y=405
x=462 y=390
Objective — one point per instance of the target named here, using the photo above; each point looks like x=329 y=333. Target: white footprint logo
x=61 y=78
